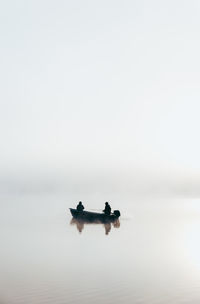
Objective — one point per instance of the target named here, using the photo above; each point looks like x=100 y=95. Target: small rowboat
x=94 y=216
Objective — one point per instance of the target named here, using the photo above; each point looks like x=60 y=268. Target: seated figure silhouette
x=80 y=207
x=107 y=209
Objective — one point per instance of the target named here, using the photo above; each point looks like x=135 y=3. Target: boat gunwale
x=90 y=213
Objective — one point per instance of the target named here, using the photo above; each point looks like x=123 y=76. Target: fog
x=100 y=96
x=99 y=102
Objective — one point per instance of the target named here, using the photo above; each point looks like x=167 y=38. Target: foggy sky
x=100 y=90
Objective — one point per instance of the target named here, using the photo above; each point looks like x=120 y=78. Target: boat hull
x=93 y=216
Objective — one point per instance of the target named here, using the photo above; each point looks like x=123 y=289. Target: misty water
x=153 y=257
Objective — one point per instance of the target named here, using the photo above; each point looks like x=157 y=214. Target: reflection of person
x=80 y=226
x=107 y=228
x=116 y=223
x=80 y=207
x=107 y=209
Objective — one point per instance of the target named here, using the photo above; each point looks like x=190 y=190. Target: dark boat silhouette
x=95 y=216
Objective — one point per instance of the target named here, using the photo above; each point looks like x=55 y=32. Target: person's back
x=80 y=207
x=107 y=209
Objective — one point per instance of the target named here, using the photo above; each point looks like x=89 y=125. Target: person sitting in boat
x=80 y=207
x=107 y=209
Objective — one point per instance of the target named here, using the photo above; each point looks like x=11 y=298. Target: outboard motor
x=117 y=213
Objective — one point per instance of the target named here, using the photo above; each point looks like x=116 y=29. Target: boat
x=89 y=216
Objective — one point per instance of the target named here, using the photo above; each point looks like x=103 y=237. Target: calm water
x=153 y=257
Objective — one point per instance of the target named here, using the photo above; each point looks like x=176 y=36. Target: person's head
x=106 y=203
x=80 y=203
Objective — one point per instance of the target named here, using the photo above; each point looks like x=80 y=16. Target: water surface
x=153 y=256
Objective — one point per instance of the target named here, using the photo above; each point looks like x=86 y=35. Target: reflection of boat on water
x=94 y=217
x=80 y=223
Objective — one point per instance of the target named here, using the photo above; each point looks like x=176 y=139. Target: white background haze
x=100 y=95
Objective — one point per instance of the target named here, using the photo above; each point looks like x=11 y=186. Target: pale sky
x=100 y=84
